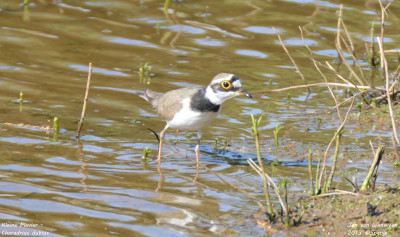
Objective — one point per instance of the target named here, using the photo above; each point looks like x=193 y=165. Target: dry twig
x=291 y=59
x=78 y=131
x=259 y=172
x=330 y=144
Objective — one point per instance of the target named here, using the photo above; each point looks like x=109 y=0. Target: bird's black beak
x=243 y=92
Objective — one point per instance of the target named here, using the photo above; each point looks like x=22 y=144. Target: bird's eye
x=226 y=85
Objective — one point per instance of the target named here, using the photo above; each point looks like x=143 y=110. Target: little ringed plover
x=191 y=109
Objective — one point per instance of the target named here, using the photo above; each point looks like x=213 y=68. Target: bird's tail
x=143 y=95
x=149 y=95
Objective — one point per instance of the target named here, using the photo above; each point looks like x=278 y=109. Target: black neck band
x=201 y=103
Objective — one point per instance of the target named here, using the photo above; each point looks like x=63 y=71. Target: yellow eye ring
x=226 y=85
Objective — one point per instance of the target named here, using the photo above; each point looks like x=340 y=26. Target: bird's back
x=169 y=103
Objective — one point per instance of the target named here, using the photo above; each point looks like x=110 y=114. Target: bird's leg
x=162 y=135
x=197 y=150
x=160 y=182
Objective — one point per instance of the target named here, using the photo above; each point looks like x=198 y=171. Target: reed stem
x=377 y=158
x=78 y=131
x=310 y=172
x=55 y=129
x=256 y=136
x=335 y=156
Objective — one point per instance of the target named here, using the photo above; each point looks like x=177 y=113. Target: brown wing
x=171 y=102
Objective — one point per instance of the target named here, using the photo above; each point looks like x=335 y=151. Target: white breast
x=187 y=119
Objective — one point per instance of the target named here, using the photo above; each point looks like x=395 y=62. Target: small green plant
x=145 y=165
x=374 y=102
x=359 y=107
x=298 y=221
x=285 y=195
x=55 y=129
x=396 y=164
x=146 y=152
x=188 y=136
x=21 y=100
x=346 y=92
x=373 y=59
x=144 y=73
x=278 y=127
x=288 y=97
x=166 y=5
x=275 y=162
x=216 y=143
x=225 y=143
x=26 y=10
x=158 y=27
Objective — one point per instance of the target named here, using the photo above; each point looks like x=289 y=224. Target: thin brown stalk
x=330 y=144
x=338 y=33
x=316 y=191
x=372 y=147
x=257 y=168
x=335 y=156
x=179 y=32
x=384 y=96
x=353 y=56
x=384 y=66
x=338 y=44
x=338 y=26
x=310 y=172
x=346 y=63
x=166 y=7
x=319 y=70
x=335 y=193
x=355 y=188
x=78 y=131
x=348 y=99
x=397 y=72
x=317 y=84
x=396 y=151
x=340 y=76
x=346 y=32
x=391 y=89
x=291 y=59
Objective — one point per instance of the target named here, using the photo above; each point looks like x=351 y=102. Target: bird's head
x=225 y=86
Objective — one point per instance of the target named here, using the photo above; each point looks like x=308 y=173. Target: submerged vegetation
x=146 y=152
x=55 y=129
x=144 y=73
